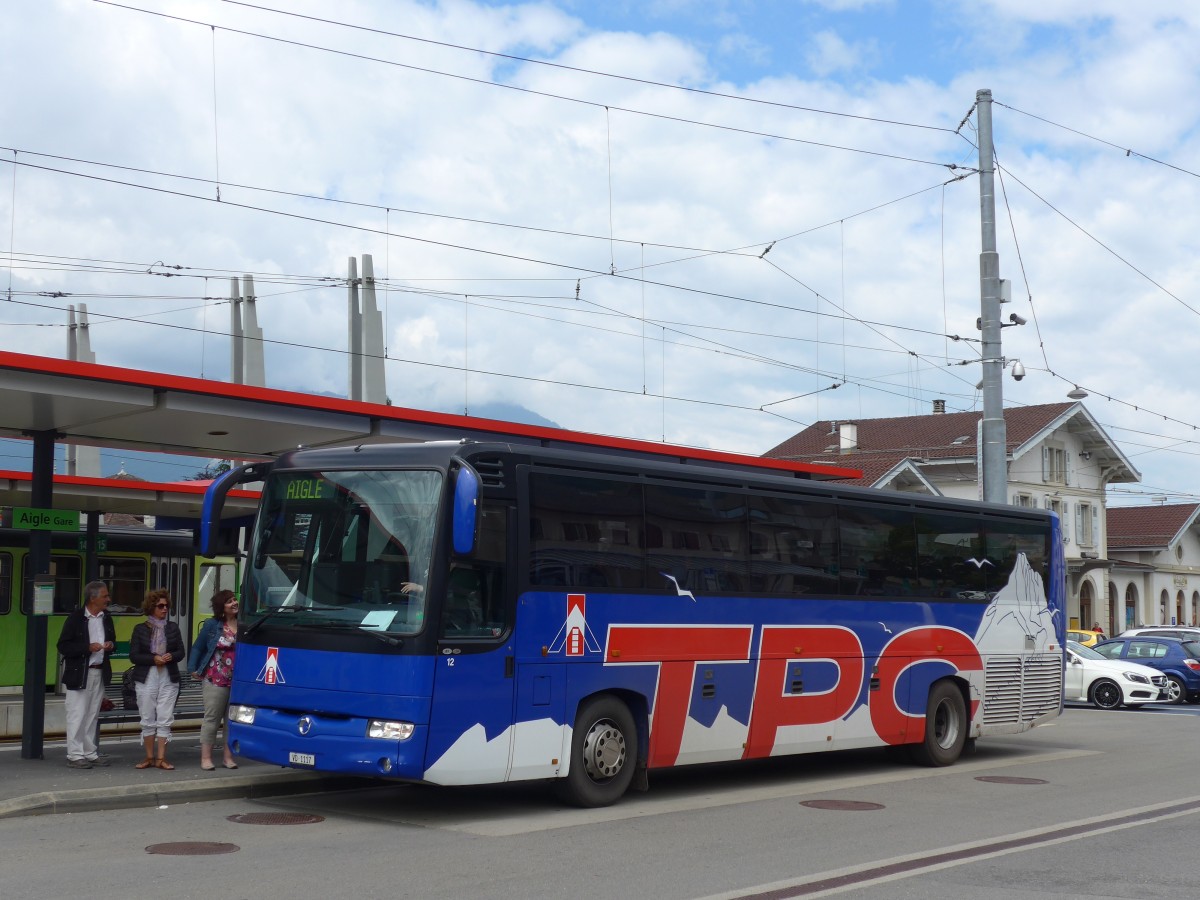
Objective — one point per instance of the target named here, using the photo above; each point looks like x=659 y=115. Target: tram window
x=126 y=580
x=68 y=586
x=6 y=564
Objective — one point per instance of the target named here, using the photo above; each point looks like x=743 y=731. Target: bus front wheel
x=945 y=726
x=603 y=754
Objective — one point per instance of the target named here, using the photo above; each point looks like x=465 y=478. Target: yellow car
x=1087 y=638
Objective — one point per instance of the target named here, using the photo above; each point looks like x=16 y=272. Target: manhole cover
x=841 y=804
x=275 y=818
x=193 y=848
x=1009 y=779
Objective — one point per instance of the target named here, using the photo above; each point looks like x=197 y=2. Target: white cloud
x=601 y=185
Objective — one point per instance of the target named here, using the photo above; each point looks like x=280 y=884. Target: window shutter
x=1069 y=475
x=1079 y=521
x=1095 y=525
x=1066 y=522
x=1045 y=464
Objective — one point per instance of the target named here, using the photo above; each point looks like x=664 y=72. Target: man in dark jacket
x=87 y=640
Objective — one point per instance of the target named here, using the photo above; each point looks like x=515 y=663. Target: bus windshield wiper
x=273 y=610
x=349 y=626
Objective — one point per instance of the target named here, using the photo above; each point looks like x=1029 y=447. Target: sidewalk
x=30 y=787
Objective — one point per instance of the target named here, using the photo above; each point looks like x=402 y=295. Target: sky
x=569 y=205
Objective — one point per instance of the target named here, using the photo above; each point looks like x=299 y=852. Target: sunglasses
x=162 y=606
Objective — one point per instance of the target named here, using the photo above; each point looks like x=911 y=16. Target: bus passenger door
x=471 y=716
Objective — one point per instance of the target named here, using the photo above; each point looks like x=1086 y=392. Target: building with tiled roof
x=1059 y=457
x=1155 y=553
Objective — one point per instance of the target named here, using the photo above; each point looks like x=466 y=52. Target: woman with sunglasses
x=155 y=648
x=211 y=659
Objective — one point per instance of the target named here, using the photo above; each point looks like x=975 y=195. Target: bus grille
x=1013 y=697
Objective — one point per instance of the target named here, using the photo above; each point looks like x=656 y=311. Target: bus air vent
x=491 y=471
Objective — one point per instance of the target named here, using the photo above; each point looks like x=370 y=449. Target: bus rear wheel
x=945 y=726
x=603 y=754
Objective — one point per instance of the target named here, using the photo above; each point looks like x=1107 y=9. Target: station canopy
x=107 y=406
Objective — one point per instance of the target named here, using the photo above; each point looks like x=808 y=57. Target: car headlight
x=243 y=715
x=395 y=731
x=1136 y=676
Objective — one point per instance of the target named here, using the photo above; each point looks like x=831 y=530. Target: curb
x=133 y=796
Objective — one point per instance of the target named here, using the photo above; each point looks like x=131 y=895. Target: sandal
x=208 y=767
x=146 y=763
x=163 y=764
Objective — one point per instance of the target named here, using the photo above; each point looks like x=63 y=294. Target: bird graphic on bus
x=575 y=638
x=980 y=563
x=682 y=592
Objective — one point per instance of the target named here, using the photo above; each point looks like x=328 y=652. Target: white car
x=1107 y=683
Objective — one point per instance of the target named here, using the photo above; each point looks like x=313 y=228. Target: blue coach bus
x=469 y=613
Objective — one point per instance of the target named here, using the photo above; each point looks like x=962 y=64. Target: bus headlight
x=395 y=731
x=243 y=715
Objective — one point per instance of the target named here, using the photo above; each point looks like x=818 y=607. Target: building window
x=1056 y=505
x=1024 y=500
x=1085 y=524
x=1054 y=465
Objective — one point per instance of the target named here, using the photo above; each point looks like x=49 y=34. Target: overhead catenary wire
x=592 y=103
x=563 y=67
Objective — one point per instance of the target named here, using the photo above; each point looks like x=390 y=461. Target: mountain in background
x=510 y=412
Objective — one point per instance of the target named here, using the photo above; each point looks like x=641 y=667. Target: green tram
x=130 y=560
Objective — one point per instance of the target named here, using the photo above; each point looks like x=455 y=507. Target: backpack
x=128 y=690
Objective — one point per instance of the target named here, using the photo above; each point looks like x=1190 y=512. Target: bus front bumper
x=327 y=744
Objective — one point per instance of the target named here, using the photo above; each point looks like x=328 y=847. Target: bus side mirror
x=214 y=502
x=466 y=510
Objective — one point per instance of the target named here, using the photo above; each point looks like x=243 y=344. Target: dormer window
x=960 y=440
x=1054 y=465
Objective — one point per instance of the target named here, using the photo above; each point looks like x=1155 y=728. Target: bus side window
x=476 y=589
x=464 y=603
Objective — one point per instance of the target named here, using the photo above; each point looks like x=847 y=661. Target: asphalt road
x=1098 y=804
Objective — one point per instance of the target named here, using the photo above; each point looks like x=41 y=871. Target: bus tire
x=603 y=754
x=945 y=726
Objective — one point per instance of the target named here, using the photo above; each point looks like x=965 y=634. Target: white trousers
x=83 y=710
x=156 y=702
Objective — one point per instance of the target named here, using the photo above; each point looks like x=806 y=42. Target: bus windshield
x=343 y=551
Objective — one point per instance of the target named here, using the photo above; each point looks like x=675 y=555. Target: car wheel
x=1176 y=692
x=1105 y=694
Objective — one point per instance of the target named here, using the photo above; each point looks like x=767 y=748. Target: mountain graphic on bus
x=575 y=638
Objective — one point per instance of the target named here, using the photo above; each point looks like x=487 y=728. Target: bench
x=189 y=704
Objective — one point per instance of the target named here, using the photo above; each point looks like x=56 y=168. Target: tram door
x=212 y=575
x=175 y=574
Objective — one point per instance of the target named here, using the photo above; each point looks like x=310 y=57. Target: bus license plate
x=302 y=759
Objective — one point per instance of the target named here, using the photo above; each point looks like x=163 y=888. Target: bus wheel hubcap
x=603 y=750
